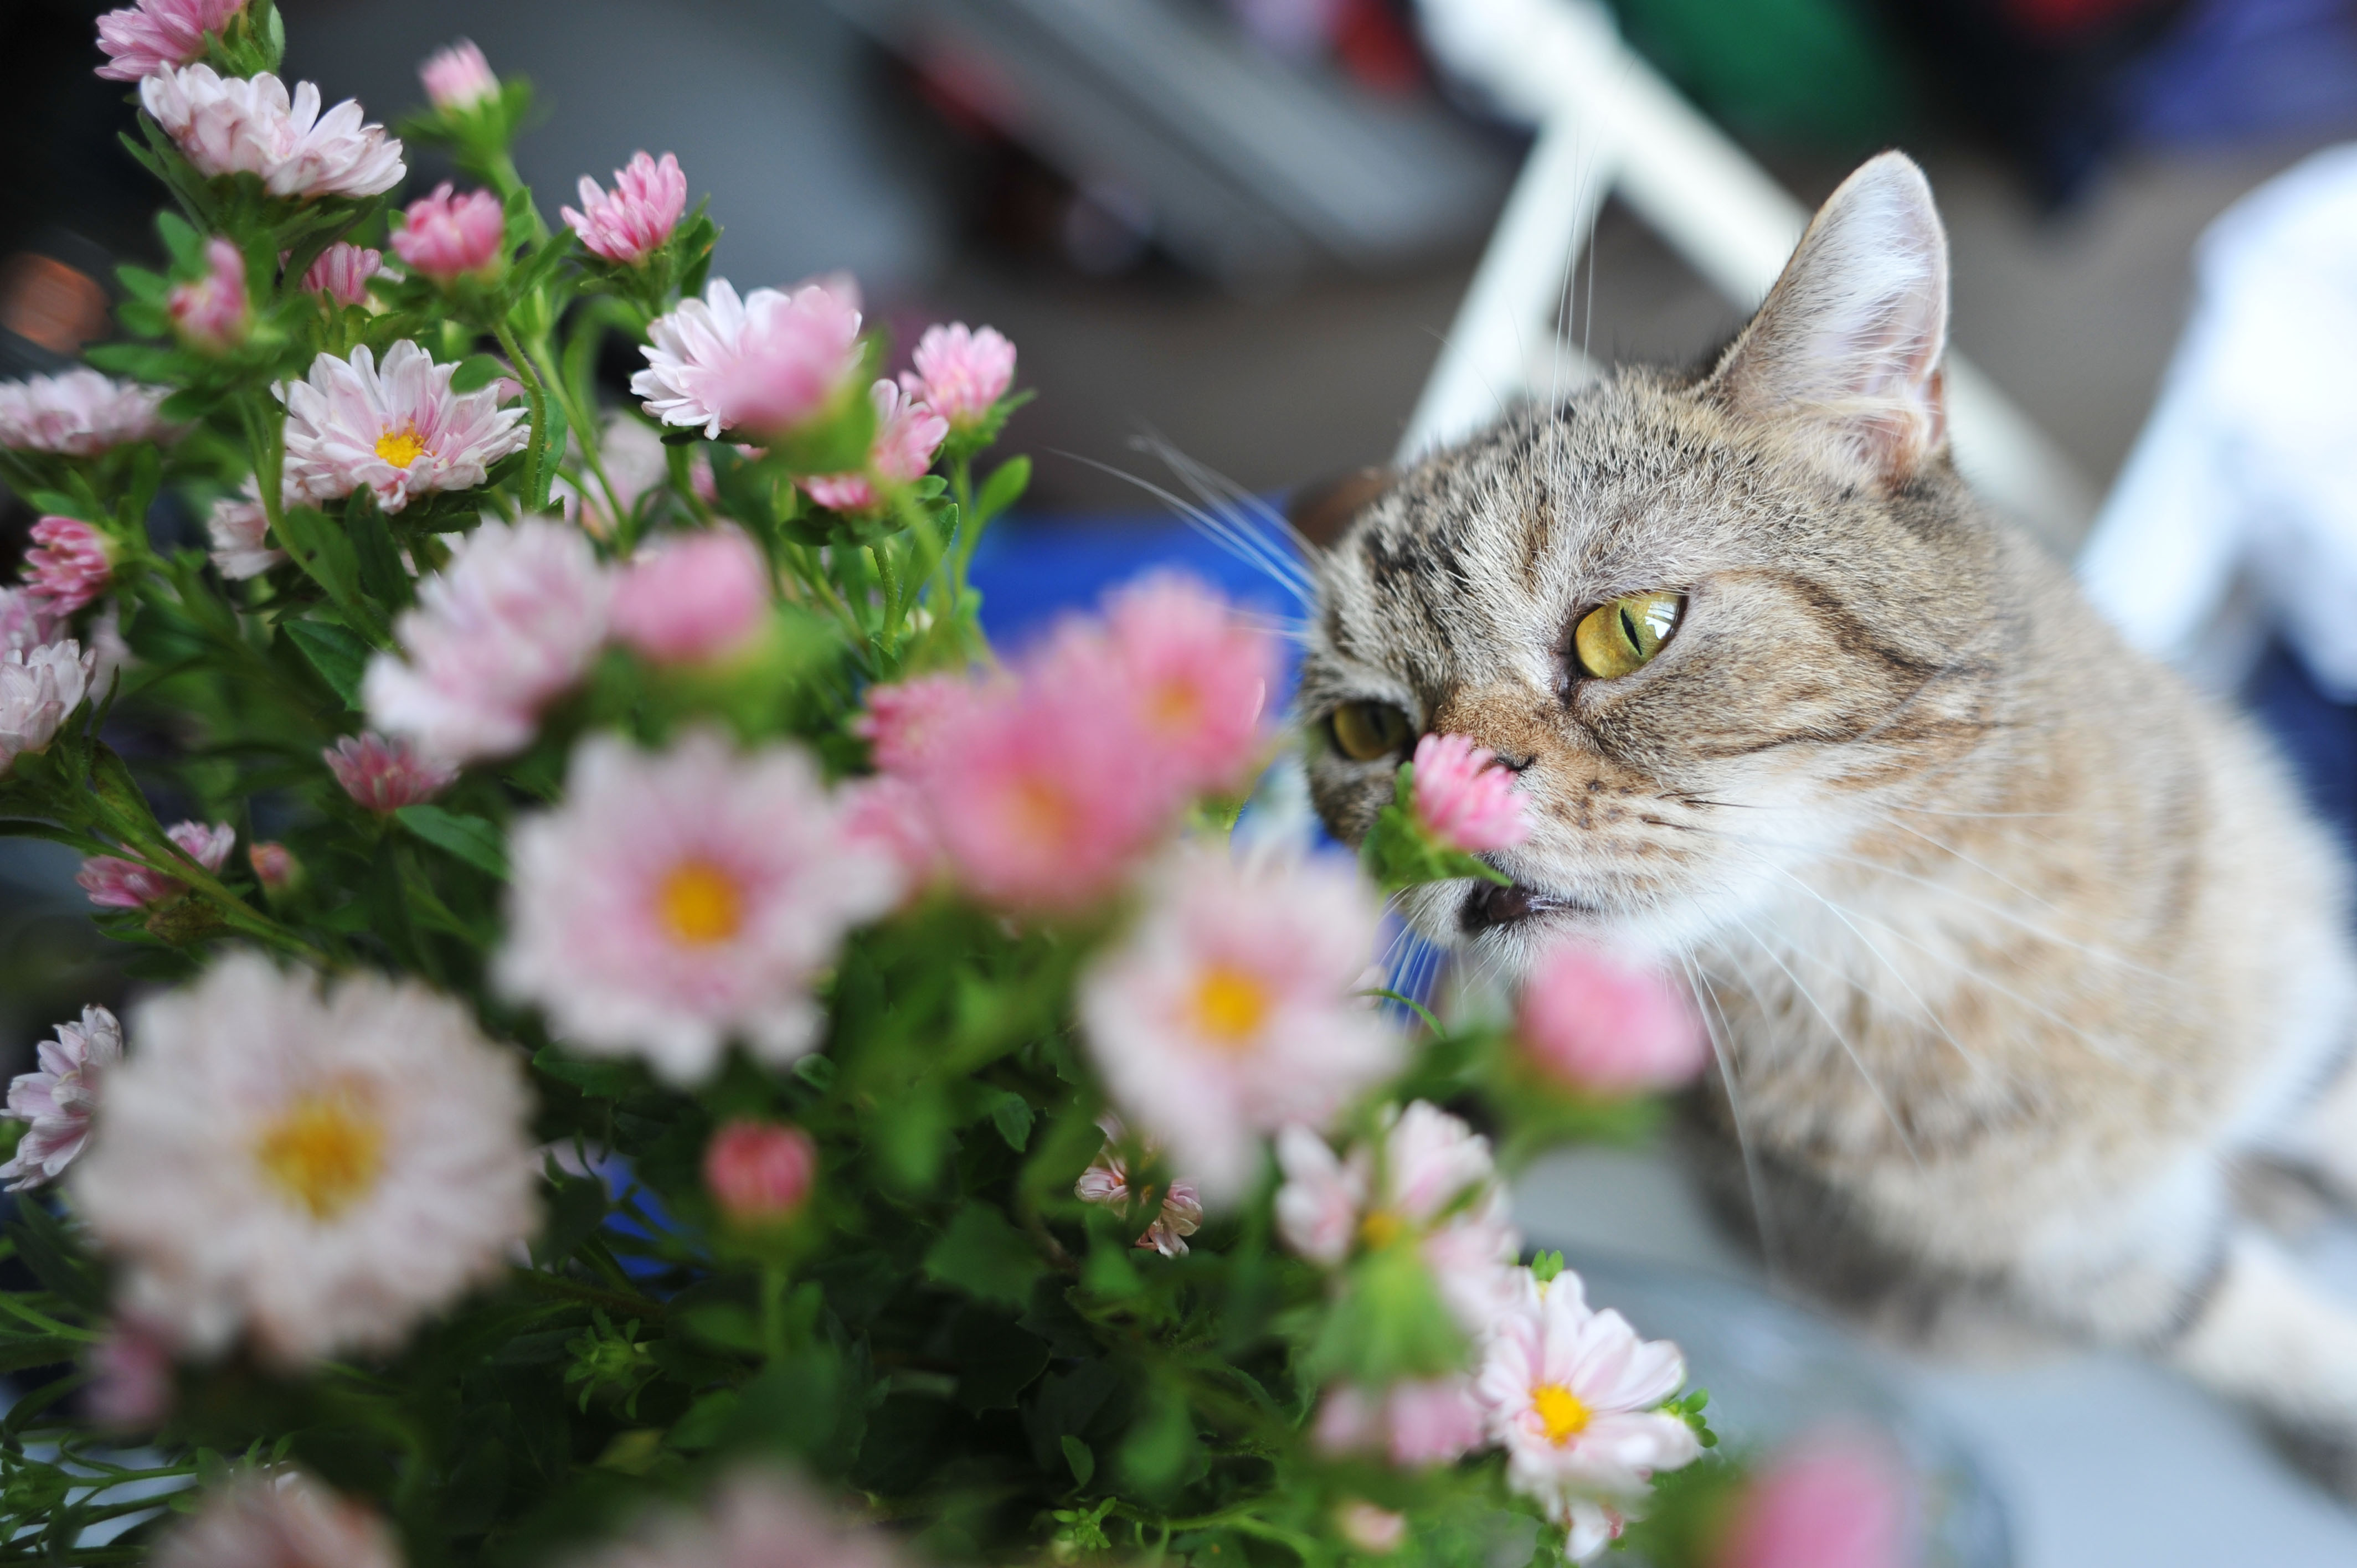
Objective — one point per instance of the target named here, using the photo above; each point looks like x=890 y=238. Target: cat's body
x=2012 y=943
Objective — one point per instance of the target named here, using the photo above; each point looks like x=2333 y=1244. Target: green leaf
x=1002 y=489
x=996 y=1358
x=1013 y=1117
x=984 y=1255
x=477 y=842
x=1077 y=1454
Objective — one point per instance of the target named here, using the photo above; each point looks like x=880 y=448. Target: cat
x=2013 y=946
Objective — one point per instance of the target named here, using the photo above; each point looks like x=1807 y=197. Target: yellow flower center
x=323 y=1151
x=1040 y=813
x=700 y=904
x=1560 y=1411
x=400 y=447
x=1174 y=708
x=1230 y=1006
x=1380 y=1229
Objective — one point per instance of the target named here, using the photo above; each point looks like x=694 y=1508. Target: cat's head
x=1716 y=623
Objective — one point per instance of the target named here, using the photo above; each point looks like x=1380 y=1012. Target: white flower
x=78 y=413
x=277 y=1517
x=239 y=531
x=57 y=1100
x=246 y=125
x=318 y=1171
x=39 y=687
x=398 y=429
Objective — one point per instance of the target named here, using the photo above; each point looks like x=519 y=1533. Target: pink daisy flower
x=78 y=414
x=907 y=434
x=1106 y=1184
x=400 y=430
x=1834 y=1499
x=513 y=620
x=1607 y=1029
x=1462 y=799
x=57 y=1100
x=693 y=597
x=677 y=900
x=230 y=125
x=155 y=34
x=384 y=773
x=342 y=272
x=458 y=77
x=1413 y=1424
x=888 y=813
x=114 y=883
x=70 y=562
x=239 y=531
x=961 y=374
x=39 y=686
x=1200 y=679
x=212 y=314
x=760 y=1172
x=447 y=237
x=277 y=1517
x=902 y=719
x=632 y=224
x=762 y=366
x=1228 y=1011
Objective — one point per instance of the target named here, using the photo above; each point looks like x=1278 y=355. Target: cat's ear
x=1850 y=339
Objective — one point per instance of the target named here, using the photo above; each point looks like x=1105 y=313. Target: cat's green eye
x=1366 y=732
x=1616 y=637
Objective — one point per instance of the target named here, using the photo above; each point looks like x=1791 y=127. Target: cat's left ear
x=1849 y=342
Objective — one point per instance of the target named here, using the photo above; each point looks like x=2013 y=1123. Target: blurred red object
x=2058 y=19
x=49 y=303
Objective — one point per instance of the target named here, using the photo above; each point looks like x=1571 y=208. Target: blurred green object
x=1816 y=73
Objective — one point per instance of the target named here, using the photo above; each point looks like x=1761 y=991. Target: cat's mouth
x=1489 y=906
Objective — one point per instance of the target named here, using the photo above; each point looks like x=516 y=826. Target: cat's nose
x=1508 y=721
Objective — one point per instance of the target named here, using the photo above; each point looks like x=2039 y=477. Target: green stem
x=536 y=395
x=773 y=1311
x=625 y=1301
x=587 y=433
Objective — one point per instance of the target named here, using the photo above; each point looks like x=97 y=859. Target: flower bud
x=274 y=866
x=1371 y=1530
x=694 y=598
x=1604 y=1028
x=386 y=774
x=212 y=315
x=759 y=1172
x=1462 y=799
x=342 y=272
x=69 y=564
x=458 y=78
x=632 y=224
x=448 y=237
x=961 y=374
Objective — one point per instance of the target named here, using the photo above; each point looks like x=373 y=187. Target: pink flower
x=903 y=719
x=449 y=237
x=342 y=272
x=693 y=597
x=760 y=1172
x=1106 y=1183
x=1605 y=1028
x=28 y=620
x=130 y=1388
x=274 y=866
x=458 y=77
x=155 y=34
x=78 y=414
x=230 y=125
x=212 y=314
x=907 y=434
x=674 y=901
x=961 y=374
x=1377 y=1531
x=754 y=1520
x=386 y=774
x=114 y=883
x=631 y=224
x=888 y=813
x=277 y=1518
x=1199 y=678
x=513 y=620
x=1834 y=1499
x=1414 y=1423
x=39 y=686
x=1228 y=1011
x=1573 y=1395
x=1464 y=802
x=401 y=431
x=763 y=367
x=239 y=531
x=69 y=564
x=56 y=1102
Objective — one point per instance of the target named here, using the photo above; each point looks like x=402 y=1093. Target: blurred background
x=1244 y=228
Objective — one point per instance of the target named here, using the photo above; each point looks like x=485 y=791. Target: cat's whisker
x=1212 y=485
x=1254 y=552
x=1719 y=1035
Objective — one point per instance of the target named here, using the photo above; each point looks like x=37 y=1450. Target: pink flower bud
x=907 y=434
x=386 y=774
x=961 y=374
x=760 y=1172
x=1833 y=1500
x=458 y=77
x=130 y=1388
x=274 y=866
x=1377 y=1531
x=342 y=272
x=448 y=237
x=1605 y=1028
x=697 y=597
x=1462 y=799
x=155 y=34
x=632 y=224
x=114 y=883
x=69 y=564
x=212 y=314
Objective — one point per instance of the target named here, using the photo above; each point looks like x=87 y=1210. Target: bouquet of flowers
x=658 y=1048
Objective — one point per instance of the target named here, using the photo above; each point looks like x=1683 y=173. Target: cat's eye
x=1619 y=636
x=1366 y=732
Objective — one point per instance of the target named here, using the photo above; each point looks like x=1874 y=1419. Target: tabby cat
x=2014 y=946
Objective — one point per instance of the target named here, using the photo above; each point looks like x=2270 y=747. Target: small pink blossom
x=130 y=1387
x=510 y=622
x=40 y=685
x=765 y=366
x=760 y=1172
x=230 y=125
x=1228 y=1012
x=397 y=428
x=961 y=374
x=1834 y=1500
x=114 y=883
x=1603 y=1028
x=1199 y=678
x=56 y=1102
x=212 y=314
x=70 y=562
x=907 y=434
x=239 y=531
x=888 y=813
x=274 y=866
x=1462 y=798
x=342 y=272
x=28 y=620
x=277 y=1518
x=154 y=34
x=385 y=773
x=693 y=597
x=632 y=224
x=1413 y=1424
x=78 y=414
x=1377 y=1531
x=448 y=237
x=902 y=719
x=1106 y=1184
x=458 y=77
